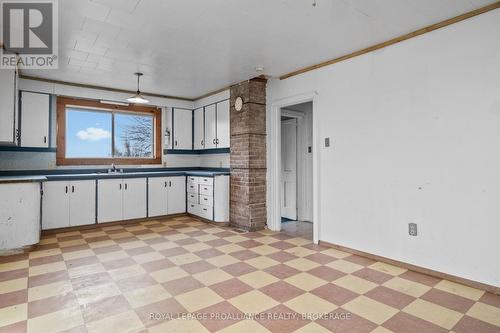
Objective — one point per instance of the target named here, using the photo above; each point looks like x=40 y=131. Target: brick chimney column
x=248 y=156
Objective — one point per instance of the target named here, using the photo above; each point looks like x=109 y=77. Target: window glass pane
x=88 y=133
x=133 y=135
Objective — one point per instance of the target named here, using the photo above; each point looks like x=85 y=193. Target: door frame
x=274 y=158
x=297 y=116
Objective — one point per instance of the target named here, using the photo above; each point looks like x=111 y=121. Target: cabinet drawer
x=207 y=190
x=192 y=179
x=206 y=181
x=192 y=188
x=193 y=208
x=192 y=197
x=206 y=200
x=206 y=212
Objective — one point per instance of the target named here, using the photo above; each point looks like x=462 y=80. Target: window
x=93 y=133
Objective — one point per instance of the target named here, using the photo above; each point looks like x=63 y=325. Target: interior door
x=183 y=129
x=134 y=198
x=55 y=205
x=289 y=169
x=210 y=127
x=7 y=105
x=157 y=196
x=223 y=135
x=82 y=202
x=199 y=131
x=35 y=119
x=109 y=200
x=176 y=195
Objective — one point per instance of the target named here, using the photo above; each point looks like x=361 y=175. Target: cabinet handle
x=214 y=141
x=72 y=189
x=205 y=199
x=217 y=141
x=175 y=142
x=170 y=183
x=202 y=142
x=66 y=189
x=165 y=184
x=125 y=185
x=44 y=139
x=205 y=209
x=120 y=186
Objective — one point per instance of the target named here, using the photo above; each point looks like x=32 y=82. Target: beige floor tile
x=485 y=312
x=370 y=309
x=125 y=322
x=95 y=293
x=11 y=266
x=184 y=259
x=13 y=285
x=258 y=279
x=45 y=241
x=235 y=239
x=299 y=241
x=148 y=257
x=309 y=303
x=168 y=274
x=299 y=251
x=305 y=281
x=44 y=253
x=196 y=247
x=212 y=276
x=302 y=264
x=387 y=268
x=198 y=299
x=355 y=284
x=459 y=289
x=176 y=237
x=78 y=254
x=133 y=245
x=13 y=314
x=103 y=243
x=56 y=321
x=145 y=296
x=344 y=266
x=164 y=246
x=85 y=270
x=230 y=248
x=408 y=287
x=312 y=328
x=49 y=290
x=265 y=240
x=115 y=255
x=68 y=233
x=47 y=268
x=335 y=253
x=222 y=260
x=381 y=329
x=121 y=235
x=205 y=238
x=73 y=242
x=433 y=313
x=245 y=326
x=264 y=250
x=126 y=272
x=253 y=302
x=261 y=262
x=179 y=326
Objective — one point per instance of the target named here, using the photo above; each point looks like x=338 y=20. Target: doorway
x=296 y=190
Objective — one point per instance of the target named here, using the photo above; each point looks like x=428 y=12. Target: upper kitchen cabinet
x=34 y=126
x=217 y=125
x=183 y=129
x=8 y=106
x=199 y=129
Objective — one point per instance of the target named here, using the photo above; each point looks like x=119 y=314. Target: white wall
x=415 y=133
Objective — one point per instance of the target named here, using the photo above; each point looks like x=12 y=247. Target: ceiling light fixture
x=138 y=98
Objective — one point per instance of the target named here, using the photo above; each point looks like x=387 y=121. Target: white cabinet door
x=223 y=134
x=199 y=130
x=82 y=202
x=210 y=127
x=176 y=195
x=7 y=106
x=55 y=205
x=183 y=129
x=34 y=119
x=109 y=200
x=157 y=196
x=134 y=198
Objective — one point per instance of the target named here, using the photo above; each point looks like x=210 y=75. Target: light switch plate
x=412 y=229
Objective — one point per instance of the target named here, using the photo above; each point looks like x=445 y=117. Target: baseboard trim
x=419 y=269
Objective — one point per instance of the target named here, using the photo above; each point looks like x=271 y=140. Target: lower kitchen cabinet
x=68 y=203
x=121 y=199
x=166 y=195
x=208 y=197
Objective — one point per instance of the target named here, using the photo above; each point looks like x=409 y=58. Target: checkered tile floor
x=113 y=278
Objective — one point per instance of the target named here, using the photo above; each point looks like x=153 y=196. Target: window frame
x=64 y=102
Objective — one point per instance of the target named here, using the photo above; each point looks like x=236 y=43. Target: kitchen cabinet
x=8 y=107
x=166 y=195
x=121 y=199
x=199 y=129
x=68 y=204
x=34 y=126
x=208 y=197
x=210 y=127
x=183 y=129
x=223 y=129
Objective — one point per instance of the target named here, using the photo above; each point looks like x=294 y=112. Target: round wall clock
x=238 y=103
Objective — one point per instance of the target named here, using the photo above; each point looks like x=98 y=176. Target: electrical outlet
x=412 y=229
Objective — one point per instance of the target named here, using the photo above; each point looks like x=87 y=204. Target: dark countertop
x=84 y=174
